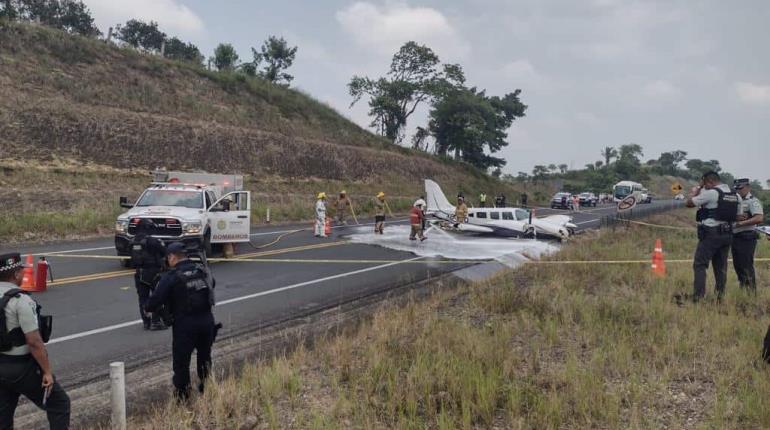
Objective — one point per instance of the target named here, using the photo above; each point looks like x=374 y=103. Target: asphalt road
x=95 y=306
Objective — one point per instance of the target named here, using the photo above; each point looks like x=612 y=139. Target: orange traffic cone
x=328 y=226
x=658 y=262
x=28 y=281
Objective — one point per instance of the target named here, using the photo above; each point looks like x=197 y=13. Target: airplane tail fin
x=437 y=201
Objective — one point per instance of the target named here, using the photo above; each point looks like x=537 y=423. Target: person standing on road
x=320 y=215
x=379 y=213
x=24 y=366
x=718 y=209
x=416 y=219
x=482 y=200
x=147 y=257
x=187 y=292
x=342 y=206
x=744 y=236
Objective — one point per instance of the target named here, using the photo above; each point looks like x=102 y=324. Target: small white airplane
x=509 y=222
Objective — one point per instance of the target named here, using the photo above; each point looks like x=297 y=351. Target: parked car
x=561 y=200
x=588 y=199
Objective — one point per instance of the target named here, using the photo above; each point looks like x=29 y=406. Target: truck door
x=230 y=218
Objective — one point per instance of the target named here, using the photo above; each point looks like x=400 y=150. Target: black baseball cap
x=176 y=248
x=11 y=261
x=740 y=183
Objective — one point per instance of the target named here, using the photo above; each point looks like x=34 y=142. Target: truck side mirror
x=124 y=203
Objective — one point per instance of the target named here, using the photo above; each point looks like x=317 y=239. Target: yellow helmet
x=343 y=192
x=380 y=194
x=322 y=195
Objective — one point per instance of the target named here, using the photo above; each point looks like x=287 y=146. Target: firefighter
x=461 y=212
x=342 y=206
x=416 y=218
x=744 y=236
x=147 y=257
x=320 y=215
x=717 y=209
x=379 y=213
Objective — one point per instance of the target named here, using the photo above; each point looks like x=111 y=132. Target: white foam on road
x=454 y=246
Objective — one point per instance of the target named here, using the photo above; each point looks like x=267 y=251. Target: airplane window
x=471 y=215
x=494 y=215
x=521 y=214
x=481 y=215
x=508 y=216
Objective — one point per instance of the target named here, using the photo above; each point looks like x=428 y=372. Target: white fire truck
x=198 y=209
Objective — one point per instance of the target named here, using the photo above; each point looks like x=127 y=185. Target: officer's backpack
x=15 y=337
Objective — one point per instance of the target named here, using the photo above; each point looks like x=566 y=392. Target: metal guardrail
x=621 y=219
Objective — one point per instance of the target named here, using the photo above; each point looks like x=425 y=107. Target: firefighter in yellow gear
x=342 y=206
x=379 y=213
x=461 y=212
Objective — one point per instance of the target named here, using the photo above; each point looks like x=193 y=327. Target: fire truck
x=199 y=209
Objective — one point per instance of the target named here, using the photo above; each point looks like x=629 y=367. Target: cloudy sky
x=690 y=75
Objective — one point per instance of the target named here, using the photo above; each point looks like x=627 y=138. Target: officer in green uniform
x=24 y=366
x=744 y=236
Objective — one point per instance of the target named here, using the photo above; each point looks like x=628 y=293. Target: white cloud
x=753 y=94
x=386 y=28
x=172 y=17
x=661 y=90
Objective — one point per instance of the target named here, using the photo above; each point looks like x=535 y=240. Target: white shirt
x=709 y=199
x=21 y=312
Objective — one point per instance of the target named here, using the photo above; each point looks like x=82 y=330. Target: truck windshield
x=187 y=199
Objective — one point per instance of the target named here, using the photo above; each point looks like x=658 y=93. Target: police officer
x=24 y=366
x=187 y=292
x=744 y=236
x=718 y=209
x=147 y=257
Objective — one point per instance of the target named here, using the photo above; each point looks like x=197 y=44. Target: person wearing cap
x=718 y=208
x=461 y=211
x=24 y=365
x=379 y=213
x=187 y=293
x=148 y=257
x=342 y=206
x=416 y=217
x=320 y=215
x=744 y=236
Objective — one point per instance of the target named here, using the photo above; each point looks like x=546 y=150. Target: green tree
x=563 y=168
x=141 y=35
x=225 y=57
x=470 y=123
x=9 y=9
x=177 y=50
x=609 y=153
x=420 y=139
x=539 y=172
x=278 y=56
x=68 y=15
x=414 y=77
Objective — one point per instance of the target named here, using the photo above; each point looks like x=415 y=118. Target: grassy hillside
x=69 y=103
x=546 y=346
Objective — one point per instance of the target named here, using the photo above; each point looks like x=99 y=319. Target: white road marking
x=235 y=300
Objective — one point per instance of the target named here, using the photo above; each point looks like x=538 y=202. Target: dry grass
x=540 y=347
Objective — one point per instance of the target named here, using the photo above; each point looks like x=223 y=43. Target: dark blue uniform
x=187 y=292
x=148 y=256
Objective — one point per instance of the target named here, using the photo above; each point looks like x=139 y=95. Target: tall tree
x=178 y=50
x=470 y=123
x=414 y=77
x=277 y=56
x=563 y=168
x=69 y=15
x=225 y=57
x=539 y=172
x=420 y=139
x=609 y=153
x=140 y=34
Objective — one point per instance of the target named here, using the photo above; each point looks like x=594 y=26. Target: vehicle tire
x=207 y=244
x=553 y=207
x=126 y=263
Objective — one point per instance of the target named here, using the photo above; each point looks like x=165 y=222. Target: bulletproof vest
x=199 y=291
x=726 y=210
x=141 y=255
x=15 y=337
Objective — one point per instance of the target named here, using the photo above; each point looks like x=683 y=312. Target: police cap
x=740 y=183
x=176 y=248
x=11 y=261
